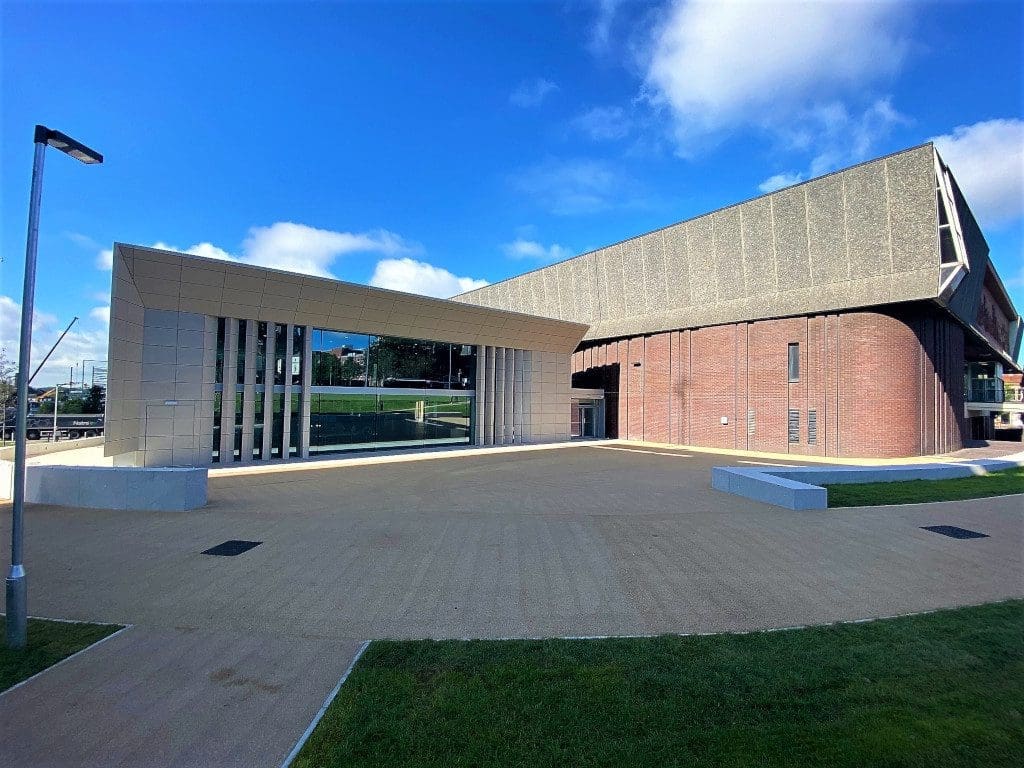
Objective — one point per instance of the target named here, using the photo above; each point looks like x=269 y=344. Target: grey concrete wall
x=860 y=237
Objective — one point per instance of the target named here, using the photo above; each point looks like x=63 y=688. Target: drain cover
x=232 y=547
x=954 y=532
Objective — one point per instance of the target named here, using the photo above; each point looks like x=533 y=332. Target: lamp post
x=17 y=590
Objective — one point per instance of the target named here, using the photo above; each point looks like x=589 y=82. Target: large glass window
x=342 y=422
x=240 y=358
x=277 y=427
x=238 y=426
x=410 y=363
x=298 y=339
x=346 y=422
x=280 y=332
x=257 y=427
x=220 y=350
x=463 y=366
x=295 y=430
x=339 y=359
x=261 y=351
x=216 y=426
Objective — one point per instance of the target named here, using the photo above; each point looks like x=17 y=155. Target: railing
x=993 y=391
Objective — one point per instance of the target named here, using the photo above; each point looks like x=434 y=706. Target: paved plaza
x=235 y=654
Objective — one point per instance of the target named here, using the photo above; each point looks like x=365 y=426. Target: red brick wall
x=881 y=385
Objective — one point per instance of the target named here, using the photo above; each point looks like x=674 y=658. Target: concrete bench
x=154 y=489
x=801 y=487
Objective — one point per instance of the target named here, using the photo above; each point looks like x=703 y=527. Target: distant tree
x=350 y=369
x=96 y=400
x=8 y=386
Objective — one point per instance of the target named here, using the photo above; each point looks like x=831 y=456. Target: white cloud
x=780 y=180
x=419 y=277
x=100 y=314
x=82 y=240
x=570 y=187
x=531 y=93
x=987 y=160
x=720 y=66
x=105 y=259
x=601 y=29
x=81 y=343
x=837 y=137
x=294 y=248
x=531 y=249
x=603 y=123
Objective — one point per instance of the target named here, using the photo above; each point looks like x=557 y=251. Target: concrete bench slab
x=801 y=487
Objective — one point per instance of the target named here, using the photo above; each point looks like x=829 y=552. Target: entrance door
x=588 y=420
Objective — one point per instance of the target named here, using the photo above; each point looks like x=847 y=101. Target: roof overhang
x=167 y=280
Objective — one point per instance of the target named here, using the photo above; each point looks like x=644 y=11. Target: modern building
x=850 y=315
x=857 y=314
x=216 y=362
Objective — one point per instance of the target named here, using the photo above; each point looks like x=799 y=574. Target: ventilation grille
x=750 y=422
x=794 y=425
x=812 y=427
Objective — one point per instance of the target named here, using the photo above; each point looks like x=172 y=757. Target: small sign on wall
x=725 y=420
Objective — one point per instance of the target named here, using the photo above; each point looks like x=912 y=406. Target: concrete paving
x=580 y=540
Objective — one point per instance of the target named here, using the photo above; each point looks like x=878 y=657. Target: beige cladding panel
x=170 y=281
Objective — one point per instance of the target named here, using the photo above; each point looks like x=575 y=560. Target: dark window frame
x=793 y=362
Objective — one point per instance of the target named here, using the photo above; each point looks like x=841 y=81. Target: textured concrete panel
x=655 y=284
x=612 y=266
x=701 y=243
x=633 y=276
x=912 y=209
x=789 y=215
x=867 y=220
x=826 y=227
x=729 y=253
x=758 y=247
x=677 y=265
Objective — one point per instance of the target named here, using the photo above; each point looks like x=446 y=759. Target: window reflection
x=346 y=422
x=339 y=359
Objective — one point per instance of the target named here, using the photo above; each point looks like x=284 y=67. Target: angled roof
x=167 y=280
x=864 y=236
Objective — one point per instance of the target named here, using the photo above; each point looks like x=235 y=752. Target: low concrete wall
x=151 y=489
x=800 y=487
x=41 y=447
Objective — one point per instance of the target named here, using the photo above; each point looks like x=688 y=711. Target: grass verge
x=938 y=689
x=1000 y=483
x=48 y=643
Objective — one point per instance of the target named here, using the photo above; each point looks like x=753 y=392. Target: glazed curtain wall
x=301 y=391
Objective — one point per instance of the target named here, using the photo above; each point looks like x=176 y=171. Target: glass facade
x=346 y=422
x=366 y=392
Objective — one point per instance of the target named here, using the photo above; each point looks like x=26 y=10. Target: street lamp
x=17 y=590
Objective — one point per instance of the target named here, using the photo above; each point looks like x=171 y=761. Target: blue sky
x=431 y=146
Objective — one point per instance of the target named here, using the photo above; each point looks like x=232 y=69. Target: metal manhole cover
x=232 y=547
x=954 y=532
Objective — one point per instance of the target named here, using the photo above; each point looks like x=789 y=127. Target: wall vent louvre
x=750 y=422
x=794 y=425
x=812 y=427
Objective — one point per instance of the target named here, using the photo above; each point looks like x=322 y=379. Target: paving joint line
x=323 y=708
x=66 y=659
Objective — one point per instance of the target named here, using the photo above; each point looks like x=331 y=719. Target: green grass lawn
x=912 y=491
x=944 y=689
x=48 y=643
